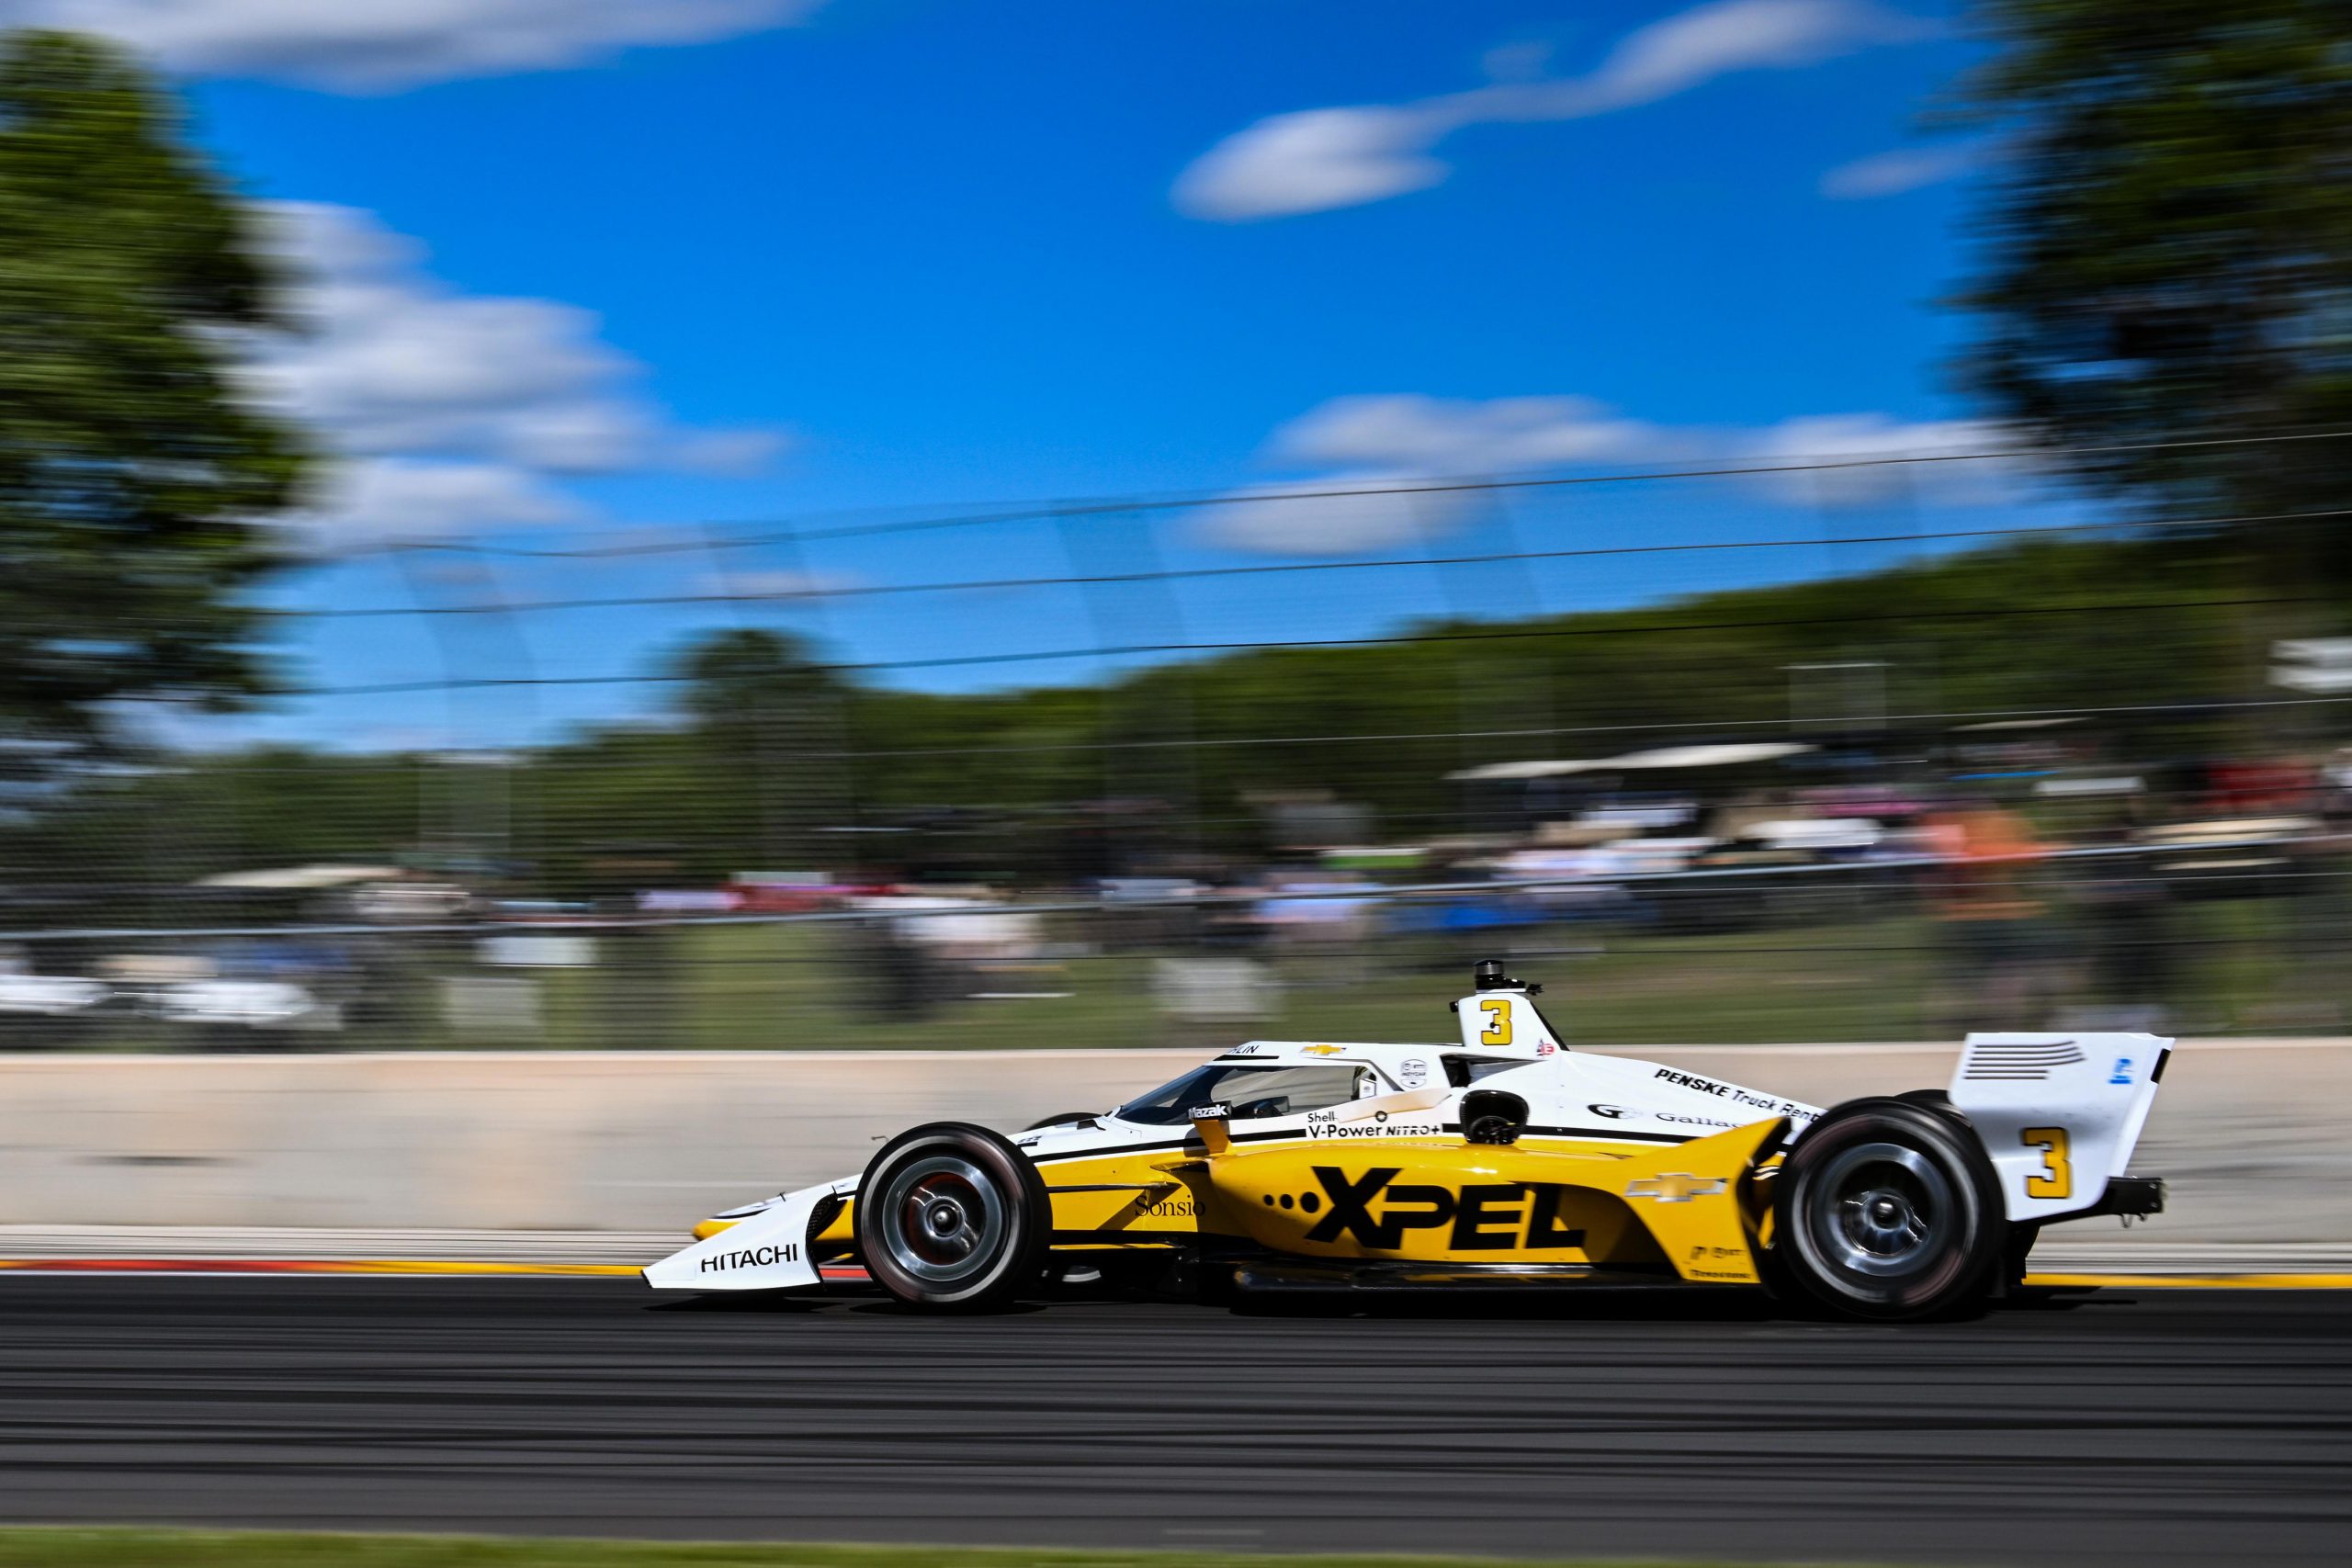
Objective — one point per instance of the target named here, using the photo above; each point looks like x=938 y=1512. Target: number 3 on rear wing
x=2060 y=1115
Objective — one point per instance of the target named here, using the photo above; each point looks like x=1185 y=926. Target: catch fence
x=2226 y=936
x=1707 y=743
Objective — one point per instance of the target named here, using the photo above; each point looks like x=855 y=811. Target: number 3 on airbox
x=1500 y=1018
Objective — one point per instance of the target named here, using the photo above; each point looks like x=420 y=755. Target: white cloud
x=1314 y=159
x=370 y=499
x=383 y=45
x=443 y=406
x=1713 y=40
x=1820 y=437
x=1459 y=436
x=1337 y=514
x=1383 y=455
x=1902 y=169
x=782 y=583
x=392 y=362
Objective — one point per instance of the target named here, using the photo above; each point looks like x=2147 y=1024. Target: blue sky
x=885 y=258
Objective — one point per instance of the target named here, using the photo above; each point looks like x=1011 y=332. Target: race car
x=1500 y=1159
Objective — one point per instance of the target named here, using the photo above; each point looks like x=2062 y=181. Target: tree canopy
x=132 y=476
x=775 y=764
x=2168 y=245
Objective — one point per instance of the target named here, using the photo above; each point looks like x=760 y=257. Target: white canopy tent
x=301 y=878
x=1659 y=758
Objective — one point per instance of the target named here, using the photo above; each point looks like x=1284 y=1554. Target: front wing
x=766 y=1251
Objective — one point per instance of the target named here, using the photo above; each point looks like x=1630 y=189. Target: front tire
x=952 y=1218
x=1887 y=1209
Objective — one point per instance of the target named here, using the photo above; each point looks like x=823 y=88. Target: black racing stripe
x=1154 y=1147
x=1612 y=1135
x=1272 y=1136
x=1602 y=1135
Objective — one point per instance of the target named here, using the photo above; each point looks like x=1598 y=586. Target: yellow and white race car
x=1501 y=1158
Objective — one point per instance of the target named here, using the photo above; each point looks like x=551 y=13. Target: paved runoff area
x=2249 y=1133
x=2119 y=1427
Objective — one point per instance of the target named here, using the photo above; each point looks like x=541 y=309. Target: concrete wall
x=2251 y=1132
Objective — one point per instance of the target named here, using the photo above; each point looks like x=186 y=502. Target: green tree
x=1012 y=783
x=768 y=719
x=731 y=678
x=2170 y=244
x=133 y=479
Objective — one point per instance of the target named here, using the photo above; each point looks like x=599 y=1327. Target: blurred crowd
x=2029 y=883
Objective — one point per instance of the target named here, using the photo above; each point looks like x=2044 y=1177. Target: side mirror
x=1490 y=1116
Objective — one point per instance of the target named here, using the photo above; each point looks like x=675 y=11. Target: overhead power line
x=1006 y=584
x=1497 y=633
x=1114 y=506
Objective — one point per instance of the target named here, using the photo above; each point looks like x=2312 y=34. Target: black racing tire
x=1216 y=1282
x=1937 y=1101
x=952 y=1218
x=1887 y=1209
x=2014 y=1256
x=1065 y=1116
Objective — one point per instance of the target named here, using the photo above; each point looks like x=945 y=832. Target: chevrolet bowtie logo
x=1678 y=1187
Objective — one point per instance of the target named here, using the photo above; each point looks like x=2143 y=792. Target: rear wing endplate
x=2060 y=1114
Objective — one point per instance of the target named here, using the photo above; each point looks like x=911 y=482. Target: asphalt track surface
x=2147 y=1426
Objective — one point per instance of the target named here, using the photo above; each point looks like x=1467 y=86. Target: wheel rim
x=944 y=1219
x=1882 y=1211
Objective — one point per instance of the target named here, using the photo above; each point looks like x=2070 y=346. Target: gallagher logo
x=1486 y=1217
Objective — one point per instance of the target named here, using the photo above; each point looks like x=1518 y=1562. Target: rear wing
x=2060 y=1114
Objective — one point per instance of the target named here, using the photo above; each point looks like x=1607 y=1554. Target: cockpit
x=1254 y=1089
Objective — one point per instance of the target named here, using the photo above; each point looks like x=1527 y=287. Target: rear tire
x=952 y=1218
x=1887 y=1209
x=1937 y=1101
x=2014 y=1254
